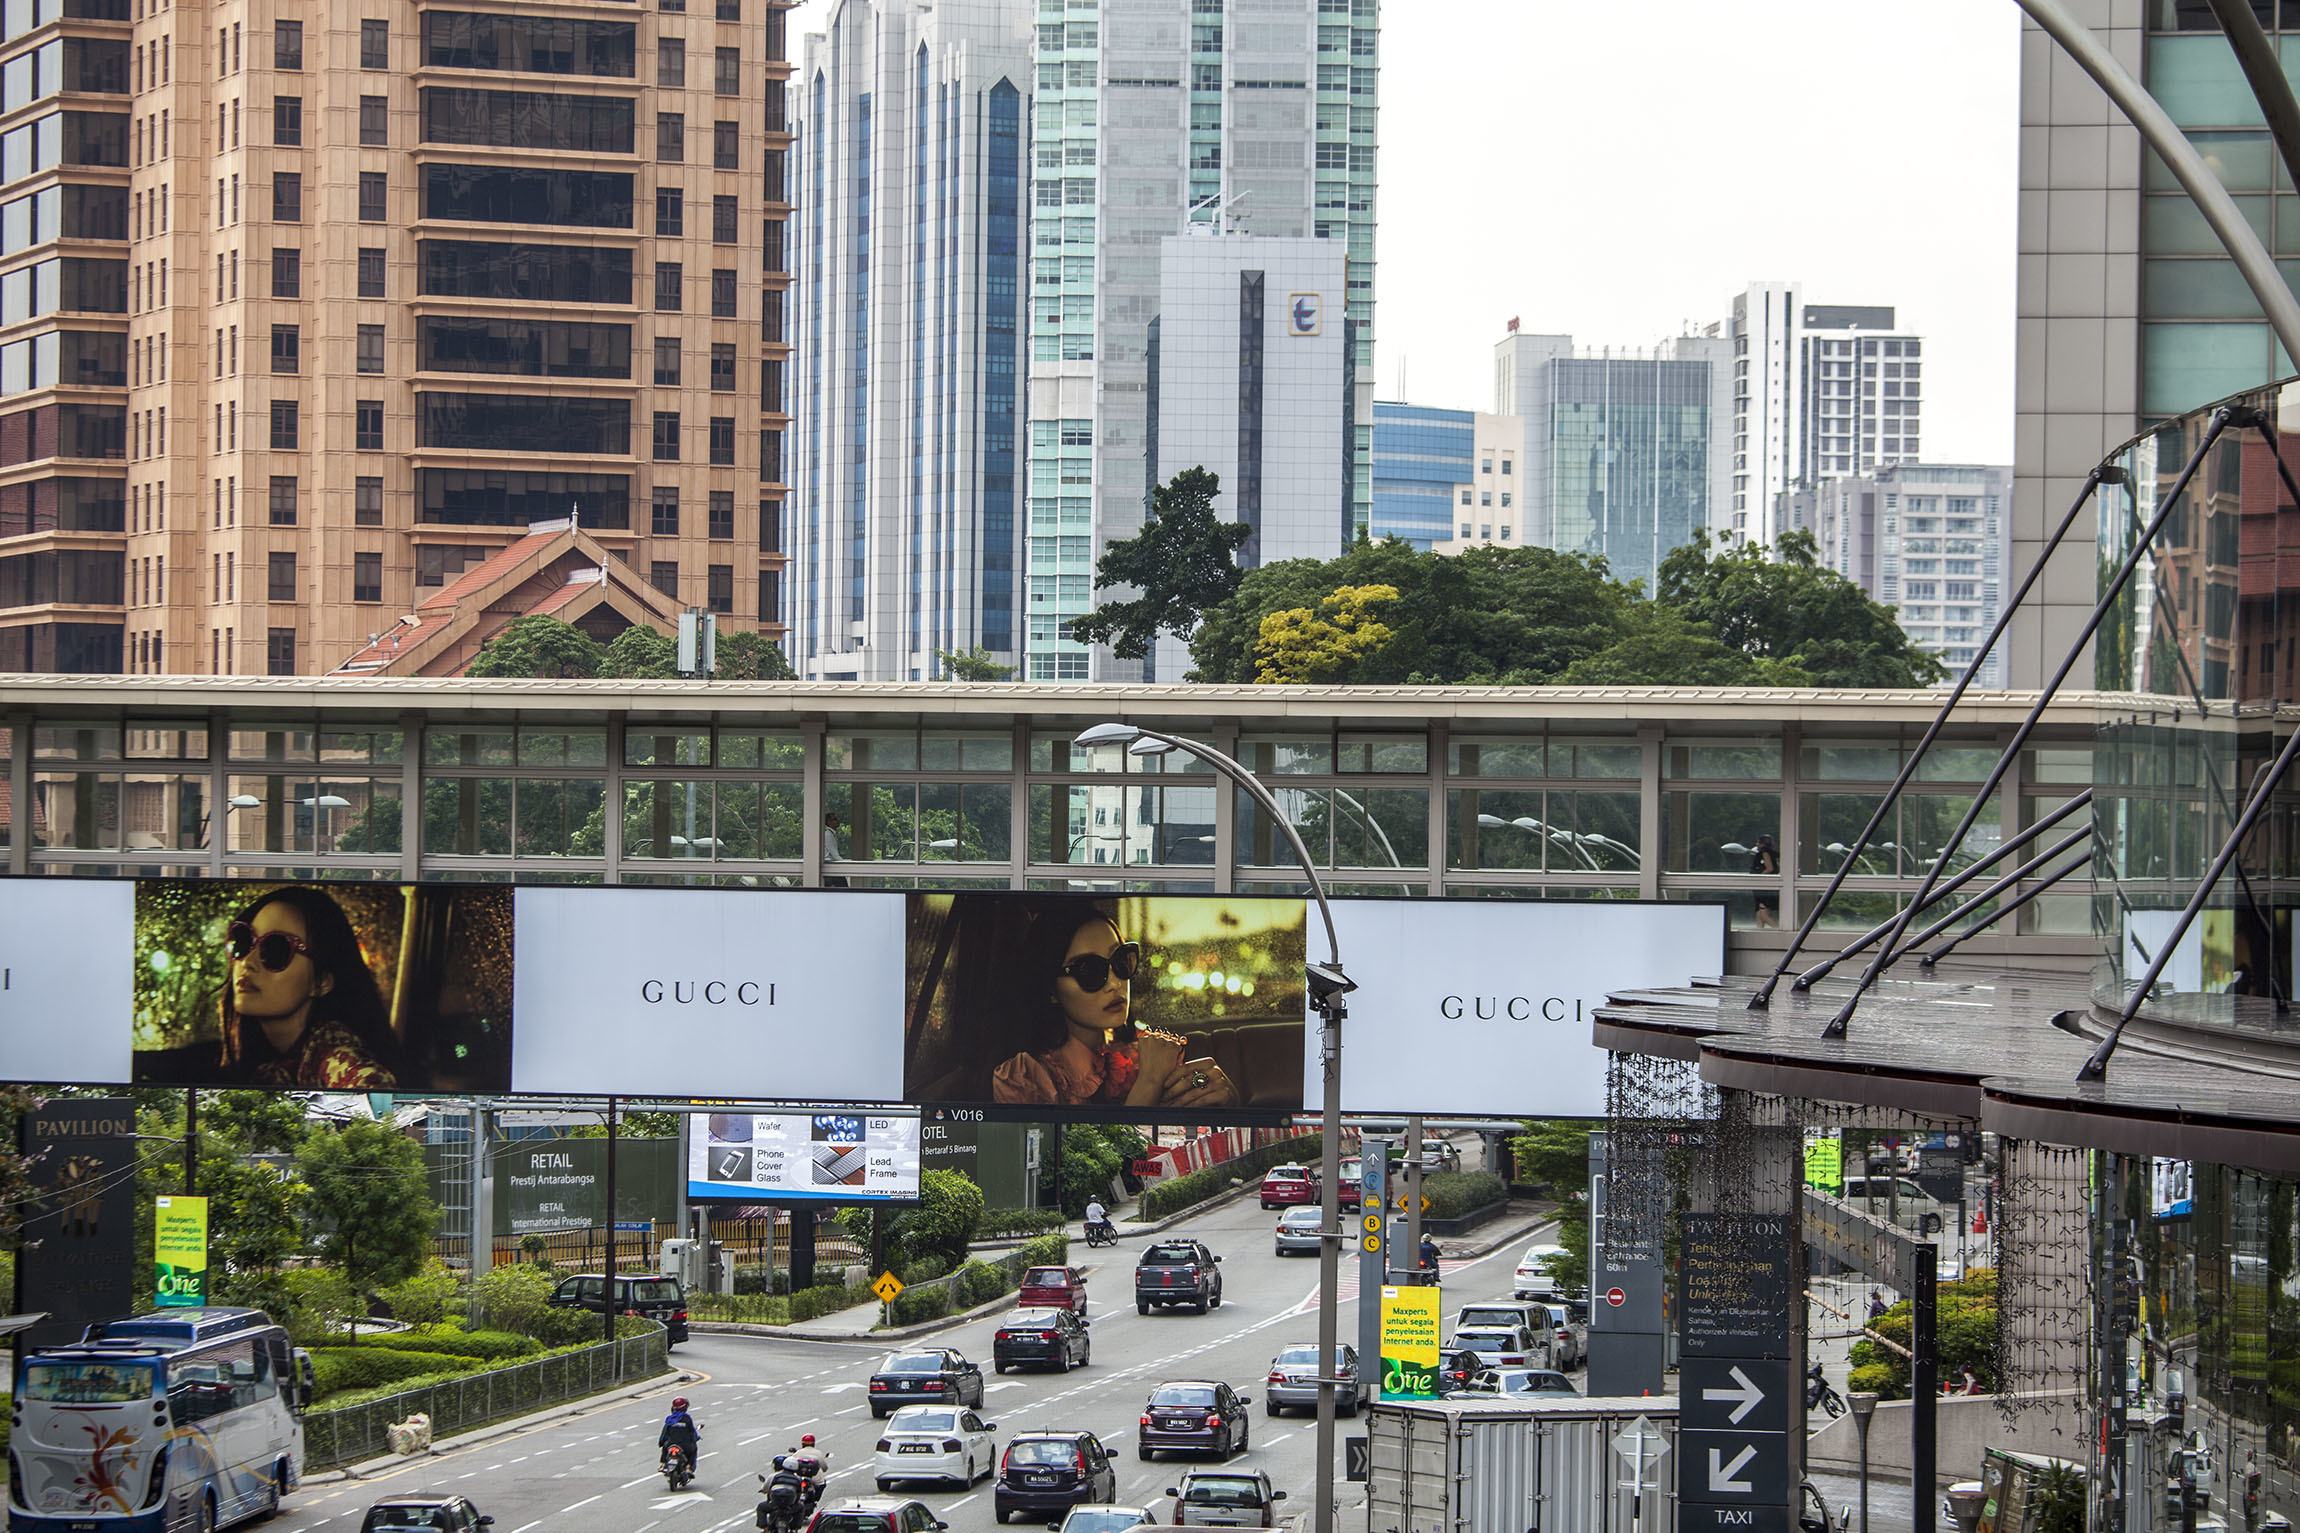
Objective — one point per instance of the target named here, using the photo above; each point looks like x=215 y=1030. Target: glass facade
x=1628 y=459
x=1420 y=455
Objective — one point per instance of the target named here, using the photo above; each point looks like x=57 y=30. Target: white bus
x=182 y=1421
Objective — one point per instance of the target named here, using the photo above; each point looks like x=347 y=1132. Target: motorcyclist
x=791 y=1484
x=811 y=1464
x=679 y=1430
x=1098 y=1218
x=1429 y=1258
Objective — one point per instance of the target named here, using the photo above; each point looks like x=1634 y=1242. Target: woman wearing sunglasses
x=301 y=1008
x=1080 y=1045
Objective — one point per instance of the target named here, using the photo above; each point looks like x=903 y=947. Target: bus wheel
x=271 y=1506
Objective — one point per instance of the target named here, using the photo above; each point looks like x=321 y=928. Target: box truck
x=1507 y=1466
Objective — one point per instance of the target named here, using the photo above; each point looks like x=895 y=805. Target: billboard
x=1410 y=1328
x=76 y=1256
x=845 y=1157
x=179 y=1251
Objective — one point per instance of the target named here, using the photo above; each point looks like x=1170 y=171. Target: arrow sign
x=1722 y=1475
x=1746 y=1394
x=683 y=1498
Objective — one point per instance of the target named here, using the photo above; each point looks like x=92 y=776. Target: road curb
x=352 y=1472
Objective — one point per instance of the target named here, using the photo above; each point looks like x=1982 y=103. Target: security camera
x=1327 y=981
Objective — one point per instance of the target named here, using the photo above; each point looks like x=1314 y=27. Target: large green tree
x=1786 y=607
x=372 y=1199
x=538 y=646
x=1182 y=562
x=976 y=664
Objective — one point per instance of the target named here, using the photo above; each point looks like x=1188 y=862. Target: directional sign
x=1734 y=1282
x=887 y=1286
x=1702 y=1517
x=1733 y=1468
x=1358 y=1458
x=1617 y=1297
x=1721 y=1394
x=1640 y=1444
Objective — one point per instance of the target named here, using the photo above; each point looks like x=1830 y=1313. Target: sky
x=1617 y=172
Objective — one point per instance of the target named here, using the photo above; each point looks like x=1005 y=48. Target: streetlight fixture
x=1863 y=1404
x=1327 y=984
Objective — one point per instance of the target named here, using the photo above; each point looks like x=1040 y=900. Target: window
x=287 y=349
x=723 y=440
x=367 y=577
x=663 y=575
x=666 y=436
x=367 y=425
x=286 y=427
x=727 y=72
x=287 y=120
x=664 y=512
x=371 y=348
x=667 y=361
x=726 y=146
x=670 y=278
x=279 y=576
x=374 y=196
x=722 y=220
x=287 y=274
x=367 y=501
x=375 y=120
x=670 y=211
x=283 y=500
x=375 y=45
x=722 y=294
x=730 y=10
x=722 y=368
x=720 y=591
x=770 y=581
x=671 y=62
x=287 y=45
x=371 y=270
x=287 y=198
x=770 y=530
x=722 y=516
x=671 y=137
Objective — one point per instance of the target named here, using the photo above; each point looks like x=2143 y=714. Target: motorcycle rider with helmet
x=679 y=1430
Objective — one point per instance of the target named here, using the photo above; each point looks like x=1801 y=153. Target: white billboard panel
x=844 y=1156
x=1483 y=1007
x=65 y=981
x=797 y=995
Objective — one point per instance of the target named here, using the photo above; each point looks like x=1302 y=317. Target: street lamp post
x=1863 y=1403
x=1327 y=984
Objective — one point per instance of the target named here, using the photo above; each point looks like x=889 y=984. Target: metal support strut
x=1992 y=917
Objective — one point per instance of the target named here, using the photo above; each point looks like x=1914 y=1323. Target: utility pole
x=191 y=1140
x=607 y=1293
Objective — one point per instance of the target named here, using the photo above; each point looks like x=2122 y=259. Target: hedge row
x=362 y=1367
x=1007 y=1223
x=916 y=1304
x=1043 y=1251
x=1455 y=1193
x=453 y=1341
x=1197 y=1186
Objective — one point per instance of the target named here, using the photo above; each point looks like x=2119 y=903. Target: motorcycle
x=782 y=1504
x=1823 y=1394
x=678 y=1468
x=1102 y=1234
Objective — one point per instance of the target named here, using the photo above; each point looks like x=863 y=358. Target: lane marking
x=586 y=1501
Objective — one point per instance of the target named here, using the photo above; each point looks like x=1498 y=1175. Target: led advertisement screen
x=845 y=1157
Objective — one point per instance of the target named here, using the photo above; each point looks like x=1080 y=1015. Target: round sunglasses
x=1094 y=970
x=274 y=950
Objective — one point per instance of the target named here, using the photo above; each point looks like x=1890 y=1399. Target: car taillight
x=1213 y=1419
x=1049 y=1335
x=1078 y=1465
x=884 y=1446
x=877 y=1386
x=1276 y=1377
x=679 y=1315
x=951 y=1445
x=1006 y=1461
x=1146 y=1420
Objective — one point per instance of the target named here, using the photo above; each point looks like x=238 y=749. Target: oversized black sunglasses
x=1092 y=970
x=274 y=950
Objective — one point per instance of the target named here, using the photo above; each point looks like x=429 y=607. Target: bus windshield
x=88 y=1383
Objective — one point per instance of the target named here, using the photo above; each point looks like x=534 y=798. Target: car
x=1501 y=1312
x=1225 y=1498
x=1350 y=1185
x=1175 y=1272
x=1534 y=1279
x=1521 y=1381
x=1297 y=1233
x=1287 y=1186
x=924 y=1375
x=1457 y=1366
x=1898 y=1199
x=659 y=1296
x=1293 y=1380
x=1568 y=1322
x=424 y=1514
x=1046 y=1472
x=1193 y=1416
x=877 y=1514
x=935 y=1442
x=1505 y=1346
x=1104 y=1519
x=1045 y=1338
x=1053 y=1288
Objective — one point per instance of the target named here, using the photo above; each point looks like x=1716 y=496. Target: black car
x=1178 y=1272
x=424 y=1514
x=921 y=1375
x=657 y=1295
x=1456 y=1367
x=1193 y=1416
x=1050 y=1472
x=1048 y=1338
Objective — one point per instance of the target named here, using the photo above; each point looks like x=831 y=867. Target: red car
x=1350 y=1191
x=1283 y=1186
x=1054 y=1288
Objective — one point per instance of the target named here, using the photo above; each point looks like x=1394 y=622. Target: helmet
x=679 y=1403
x=807 y=1441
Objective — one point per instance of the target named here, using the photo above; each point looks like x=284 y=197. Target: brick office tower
x=308 y=308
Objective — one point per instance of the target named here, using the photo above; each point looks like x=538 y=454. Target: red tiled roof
x=487 y=570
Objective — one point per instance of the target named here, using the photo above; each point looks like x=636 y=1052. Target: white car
x=1104 y=1519
x=934 y=1442
x=1504 y=1346
x=1534 y=1280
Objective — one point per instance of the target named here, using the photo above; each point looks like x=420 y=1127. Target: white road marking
x=524 y=1527
x=850 y=1410
x=961 y=1501
x=586 y=1501
x=627 y=1484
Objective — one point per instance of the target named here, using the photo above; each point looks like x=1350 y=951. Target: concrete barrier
x=1962 y=1427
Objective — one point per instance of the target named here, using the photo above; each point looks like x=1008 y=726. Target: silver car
x=1294 y=1381
x=1103 y=1519
x=1226 y=1498
x=1298 y=1231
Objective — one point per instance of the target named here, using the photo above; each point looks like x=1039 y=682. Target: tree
x=1182 y=562
x=1661 y=647
x=1553 y=1152
x=976 y=664
x=1785 y=606
x=1328 y=644
x=640 y=653
x=372 y=1199
x=749 y=656
x=538 y=646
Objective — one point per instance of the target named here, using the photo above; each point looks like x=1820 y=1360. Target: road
x=595 y=1472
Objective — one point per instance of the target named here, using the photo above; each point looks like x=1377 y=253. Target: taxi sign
x=887 y=1286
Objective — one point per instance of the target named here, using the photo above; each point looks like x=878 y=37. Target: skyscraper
x=1150 y=115
x=333 y=305
x=909 y=300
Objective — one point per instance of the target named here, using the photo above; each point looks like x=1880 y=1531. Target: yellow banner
x=1411 y=1317
x=180 y=1251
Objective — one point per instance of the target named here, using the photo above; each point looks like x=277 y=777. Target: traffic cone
x=1980 y=1221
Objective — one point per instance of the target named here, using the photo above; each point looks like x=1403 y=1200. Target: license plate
x=1042 y=1479
x=914 y=1448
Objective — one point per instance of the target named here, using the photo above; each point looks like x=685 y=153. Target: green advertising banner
x=1411 y=1317
x=179 y=1251
x=1825 y=1163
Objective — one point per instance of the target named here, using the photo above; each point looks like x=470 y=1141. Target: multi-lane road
x=595 y=1472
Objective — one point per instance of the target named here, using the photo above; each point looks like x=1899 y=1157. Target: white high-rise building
x=1819 y=390
x=1149 y=116
x=908 y=247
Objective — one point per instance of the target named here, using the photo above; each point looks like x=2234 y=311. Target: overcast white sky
x=1615 y=171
